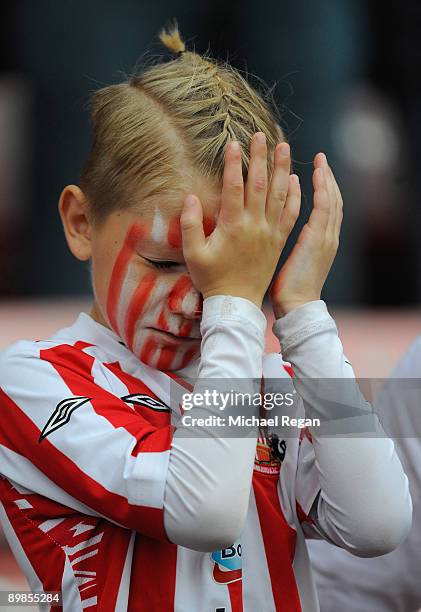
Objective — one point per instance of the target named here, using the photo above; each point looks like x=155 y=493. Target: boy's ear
x=74 y=212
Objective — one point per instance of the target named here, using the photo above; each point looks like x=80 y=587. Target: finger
x=321 y=161
x=338 y=225
x=337 y=190
x=232 y=198
x=339 y=215
x=330 y=230
x=279 y=184
x=257 y=178
x=319 y=217
x=291 y=210
x=335 y=222
x=336 y=215
x=191 y=223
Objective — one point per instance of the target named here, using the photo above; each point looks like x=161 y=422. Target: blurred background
x=344 y=76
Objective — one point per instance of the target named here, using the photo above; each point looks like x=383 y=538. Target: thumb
x=191 y=223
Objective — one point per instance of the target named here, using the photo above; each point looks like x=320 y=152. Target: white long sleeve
x=364 y=505
x=208 y=473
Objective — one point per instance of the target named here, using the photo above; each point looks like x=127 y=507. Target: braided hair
x=169 y=123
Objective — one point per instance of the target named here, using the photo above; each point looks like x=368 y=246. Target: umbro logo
x=64 y=410
x=140 y=399
x=62 y=414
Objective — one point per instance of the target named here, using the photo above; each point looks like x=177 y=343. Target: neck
x=96 y=314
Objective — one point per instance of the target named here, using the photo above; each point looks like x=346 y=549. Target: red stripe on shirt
x=159 y=419
x=47 y=559
x=180 y=380
x=74 y=368
x=154 y=576
x=279 y=542
x=289 y=370
x=302 y=516
x=117 y=553
x=235 y=590
x=22 y=436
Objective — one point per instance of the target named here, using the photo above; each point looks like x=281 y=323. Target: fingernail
x=190 y=201
x=260 y=137
x=235 y=145
x=295 y=178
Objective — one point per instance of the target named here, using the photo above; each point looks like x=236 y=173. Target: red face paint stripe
x=189 y=355
x=147 y=350
x=162 y=322
x=119 y=272
x=174 y=233
x=186 y=328
x=279 y=542
x=178 y=293
x=166 y=357
x=137 y=305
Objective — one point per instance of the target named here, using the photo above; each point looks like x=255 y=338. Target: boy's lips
x=174 y=336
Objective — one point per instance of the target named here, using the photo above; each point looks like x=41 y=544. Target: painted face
x=146 y=295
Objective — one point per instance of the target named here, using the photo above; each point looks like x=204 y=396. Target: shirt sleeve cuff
x=220 y=308
x=303 y=322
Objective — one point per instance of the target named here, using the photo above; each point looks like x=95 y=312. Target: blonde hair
x=155 y=132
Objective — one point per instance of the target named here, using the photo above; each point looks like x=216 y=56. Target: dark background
x=347 y=74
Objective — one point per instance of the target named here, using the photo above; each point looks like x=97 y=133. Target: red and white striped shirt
x=85 y=439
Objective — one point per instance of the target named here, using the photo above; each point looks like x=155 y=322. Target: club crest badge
x=270 y=452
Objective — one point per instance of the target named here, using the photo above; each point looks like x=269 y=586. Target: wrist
x=256 y=300
x=281 y=308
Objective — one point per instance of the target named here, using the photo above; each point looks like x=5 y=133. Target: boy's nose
x=184 y=299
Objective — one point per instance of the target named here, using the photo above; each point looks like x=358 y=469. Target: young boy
x=102 y=500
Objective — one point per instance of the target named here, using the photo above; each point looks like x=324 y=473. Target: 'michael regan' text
x=189 y=420
x=282 y=420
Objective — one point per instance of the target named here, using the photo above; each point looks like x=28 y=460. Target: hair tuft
x=171 y=38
